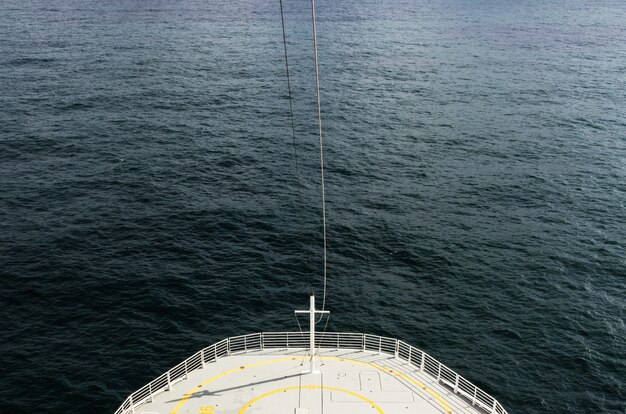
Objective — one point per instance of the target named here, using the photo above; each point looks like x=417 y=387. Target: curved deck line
x=310 y=387
x=390 y=371
x=260 y=341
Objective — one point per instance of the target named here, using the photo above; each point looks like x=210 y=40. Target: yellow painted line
x=310 y=387
x=352 y=361
x=222 y=375
x=397 y=374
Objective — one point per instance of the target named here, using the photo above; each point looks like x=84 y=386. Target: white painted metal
x=312 y=312
x=421 y=362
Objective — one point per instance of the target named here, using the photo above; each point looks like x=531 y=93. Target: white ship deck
x=263 y=373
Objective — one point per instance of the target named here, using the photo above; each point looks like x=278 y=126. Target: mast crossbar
x=312 y=312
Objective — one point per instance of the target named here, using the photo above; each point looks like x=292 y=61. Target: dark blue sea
x=476 y=183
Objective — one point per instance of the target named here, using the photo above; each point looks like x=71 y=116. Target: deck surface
x=272 y=382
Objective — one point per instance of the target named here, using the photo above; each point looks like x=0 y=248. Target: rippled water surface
x=476 y=172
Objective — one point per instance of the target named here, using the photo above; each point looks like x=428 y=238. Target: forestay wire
x=293 y=135
x=319 y=124
x=321 y=140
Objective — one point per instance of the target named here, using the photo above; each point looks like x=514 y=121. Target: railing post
x=493 y=408
x=150 y=389
x=410 y=353
x=338 y=341
x=397 y=351
x=169 y=383
x=132 y=405
x=245 y=344
x=438 y=371
x=380 y=344
x=215 y=351
x=456 y=384
x=186 y=374
x=202 y=357
x=228 y=346
x=363 y=338
x=262 y=340
x=422 y=362
x=474 y=399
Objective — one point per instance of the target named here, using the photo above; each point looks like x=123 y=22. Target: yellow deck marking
x=222 y=375
x=310 y=387
x=351 y=361
x=397 y=374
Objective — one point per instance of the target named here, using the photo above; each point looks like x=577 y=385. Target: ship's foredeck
x=263 y=378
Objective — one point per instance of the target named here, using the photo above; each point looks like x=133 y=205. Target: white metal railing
x=329 y=340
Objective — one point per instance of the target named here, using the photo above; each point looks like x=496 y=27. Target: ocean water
x=476 y=186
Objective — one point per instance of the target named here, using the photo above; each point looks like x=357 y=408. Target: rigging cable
x=302 y=336
x=293 y=135
x=319 y=344
x=319 y=124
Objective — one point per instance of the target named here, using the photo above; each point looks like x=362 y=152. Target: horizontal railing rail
x=327 y=340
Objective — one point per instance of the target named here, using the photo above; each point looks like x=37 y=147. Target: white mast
x=312 y=312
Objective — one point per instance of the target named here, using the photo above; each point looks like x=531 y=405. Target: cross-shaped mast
x=312 y=312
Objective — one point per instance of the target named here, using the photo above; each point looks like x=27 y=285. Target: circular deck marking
x=310 y=387
x=390 y=371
